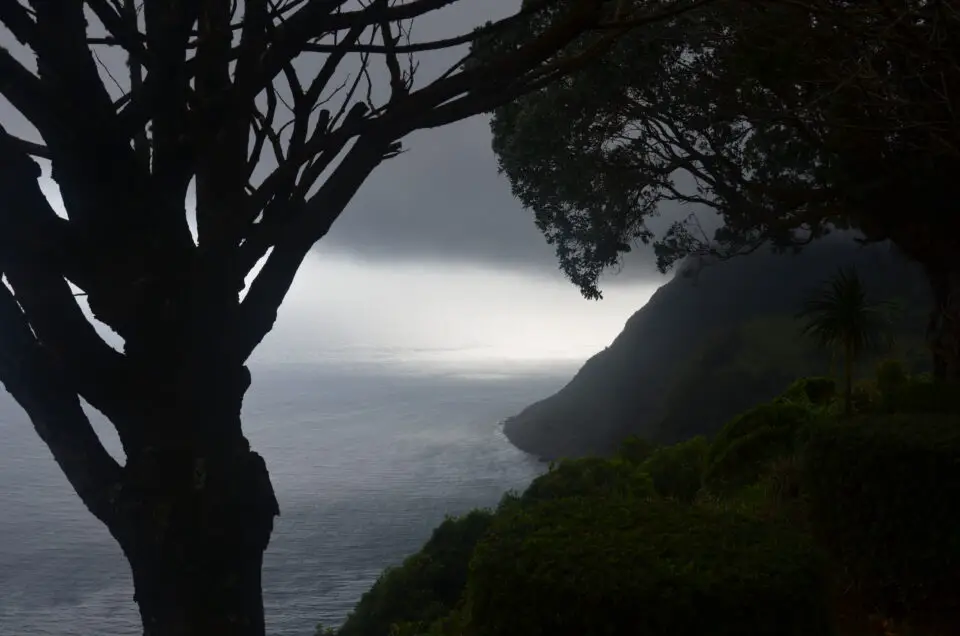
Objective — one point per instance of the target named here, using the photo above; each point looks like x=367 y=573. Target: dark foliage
x=636 y=449
x=816 y=390
x=609 y=566
x=779 y=414
x=427 y=586
x=677 y=470
x=789 y=119
x=589 y=476
x=703 y=350
x=924 y=395
x=883 y=495
x=746 y=446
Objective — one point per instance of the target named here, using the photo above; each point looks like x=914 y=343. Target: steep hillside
x=706 y=347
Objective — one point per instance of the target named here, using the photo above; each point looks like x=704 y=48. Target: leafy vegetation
x=792 y=519
x=589 y=565
x=427 y=584
x=843 y=319
x=788 y=119
x=677 y=470
x=883 y=493
x=694 y=339
x=589 y=476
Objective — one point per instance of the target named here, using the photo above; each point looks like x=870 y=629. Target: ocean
x=366 y=461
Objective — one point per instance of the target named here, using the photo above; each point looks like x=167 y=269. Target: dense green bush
x=815 y=390
x=452 y=624
x=426 y=586
x=890 y=376
x=609 y=566
x=677 y=470
x=784 y=478
x=745 y=446
x=922 y=394
x=883 y=495
x=777 y=414
x=748 y=458
x=866 y=398
x=590 y=476
x=635 y=449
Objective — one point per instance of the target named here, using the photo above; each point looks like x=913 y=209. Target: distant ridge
x=707 y=346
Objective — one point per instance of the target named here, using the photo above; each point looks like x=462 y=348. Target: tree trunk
x=196 y=508
x=943 y=329
x=194 y=531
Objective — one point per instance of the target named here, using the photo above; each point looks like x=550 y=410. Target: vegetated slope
x=708 y=346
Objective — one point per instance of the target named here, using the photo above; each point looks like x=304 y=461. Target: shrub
x=746 y=459
x=784 y=478
x=608 y=566
x=426 y=586
x=890 y=376
x=590 y=476
x=778 y=414
x=745 y=446
x=452 y=624
x=635 y=449
x=866 y=397
x=883 y=495
x=925 y=395
x=815 y=390
x=677 y=470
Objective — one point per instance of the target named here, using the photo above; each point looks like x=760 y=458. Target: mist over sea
x=366 y=459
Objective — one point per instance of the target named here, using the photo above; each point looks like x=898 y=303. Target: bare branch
x=122 y=29
x=27 y=256
x=25 y=92
x=17 y=19
x=294 y=240
x=416 y=47
x=223 y=136
x=399 y=85
x=28 y=374
x=30 y=148
x=132 y=20
x=165 y=96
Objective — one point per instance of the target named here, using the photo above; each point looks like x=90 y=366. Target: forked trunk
x=196 y=508
x=194 y=531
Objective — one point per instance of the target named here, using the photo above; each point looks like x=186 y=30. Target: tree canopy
x=790 y=118
x=733 y=95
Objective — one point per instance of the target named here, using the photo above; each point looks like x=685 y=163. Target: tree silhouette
x=276 y=111
x=843 y=319
x=788 y=118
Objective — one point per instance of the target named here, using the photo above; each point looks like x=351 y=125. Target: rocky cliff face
x=731 y=324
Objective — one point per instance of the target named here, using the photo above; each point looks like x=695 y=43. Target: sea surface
x=366 y=461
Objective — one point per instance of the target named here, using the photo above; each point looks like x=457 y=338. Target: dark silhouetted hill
x=708 y=346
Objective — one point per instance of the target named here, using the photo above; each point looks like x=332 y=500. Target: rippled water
x=365 y=464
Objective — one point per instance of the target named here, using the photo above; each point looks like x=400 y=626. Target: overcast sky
x=435 y=254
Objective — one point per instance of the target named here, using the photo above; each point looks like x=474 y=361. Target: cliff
x=708 y=346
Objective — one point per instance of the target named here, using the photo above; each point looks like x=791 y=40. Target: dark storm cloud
x=441 y=201
x=444 y=201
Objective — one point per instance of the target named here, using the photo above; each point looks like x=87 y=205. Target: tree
x=271 y=110
x=842 y=318
x=788 y=118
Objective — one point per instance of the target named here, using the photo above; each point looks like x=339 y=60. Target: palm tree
x=843 y=319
